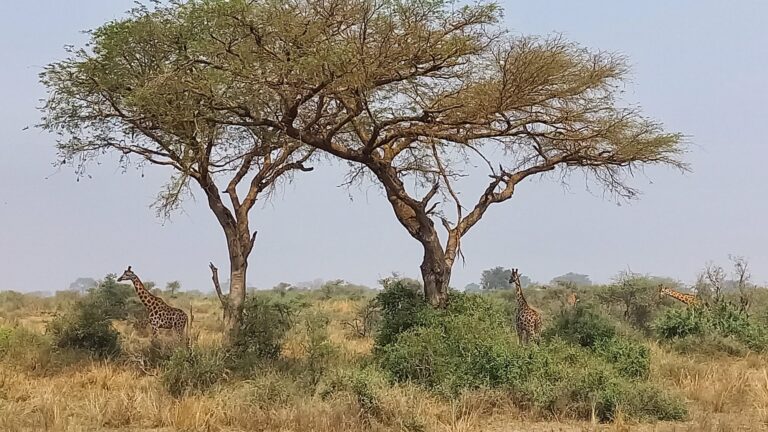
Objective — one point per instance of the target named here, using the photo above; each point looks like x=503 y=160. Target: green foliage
x=722 y=326
x=470 y=345
x=635 y=296
x=679 y=323
x=630 y=359
x=571 y=280
x=402 y=307
x=85 y=328
x=583 y=326
x=194 y=371
x=88 y=326
x=263 y=328
x=496 y=278
x=24 y=348
x=319 y=352
x=113 y=300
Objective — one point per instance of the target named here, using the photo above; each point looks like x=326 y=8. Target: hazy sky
x=698 y=66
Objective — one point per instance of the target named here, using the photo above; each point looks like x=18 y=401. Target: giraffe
x=161 y=316
x=528 y=320
x=571 y=299
x=688 y=299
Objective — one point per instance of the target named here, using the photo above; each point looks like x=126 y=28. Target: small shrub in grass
x=24 y=348
x=319 y=352
x=263 y=328
x=365 y=321
x=709 y=345
x=85 y=328
x=644 y=401
x=362 y=384
x=193 y=371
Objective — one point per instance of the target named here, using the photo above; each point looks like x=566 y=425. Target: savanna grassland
x=346 y=358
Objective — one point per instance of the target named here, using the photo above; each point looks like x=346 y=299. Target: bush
x=193 y=371
x=680 y=323
x=114 y=300
x=362 y=384
x=264 y=327
x=402 y=307
x=24 y=348
x=722 y=325
x=470 y=345
x=365 y=321
x=630 y=359
x=583 y=326
x=319 y=352
x=84 y=328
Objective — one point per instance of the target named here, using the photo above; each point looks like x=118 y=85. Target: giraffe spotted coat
x=528 y=320
x=160 y=314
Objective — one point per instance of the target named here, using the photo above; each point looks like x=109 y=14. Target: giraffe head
x=664 y=290
x=127 y=275
x=514 y=277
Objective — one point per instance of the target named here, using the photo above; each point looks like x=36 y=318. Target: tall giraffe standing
x=687 y=299
x=161 y=315
x=528 y=321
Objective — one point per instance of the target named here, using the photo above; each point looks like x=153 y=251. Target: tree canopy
x=413 y=94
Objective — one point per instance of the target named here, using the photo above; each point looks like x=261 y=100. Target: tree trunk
x=233 y=312
x=435 y=273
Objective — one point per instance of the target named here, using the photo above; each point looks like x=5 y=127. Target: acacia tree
x=416 y=94
x=413 y=93
x=142 y=89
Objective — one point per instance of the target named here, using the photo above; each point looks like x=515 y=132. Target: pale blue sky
x=698 y=66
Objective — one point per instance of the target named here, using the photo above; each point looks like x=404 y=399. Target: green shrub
x=86 y=329
x=722 y=326
x=630 y=359
x=319 y=352
x=583 y=326
x=193 y=371
x=679 y=323
x=470 y=345
x=362 y=384
x=263 y=328
x=24 y=348
x=113 y=300
x=402 y=307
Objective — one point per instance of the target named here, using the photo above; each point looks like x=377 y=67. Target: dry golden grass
x=724 y=394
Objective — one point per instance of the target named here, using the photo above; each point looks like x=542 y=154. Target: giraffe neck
x=685 y=298
x=522 y=304
x=146 y=297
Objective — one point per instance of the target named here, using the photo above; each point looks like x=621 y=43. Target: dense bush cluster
x=88 y=325
x=721 y=327
x=470 y=345
x=264 y=326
